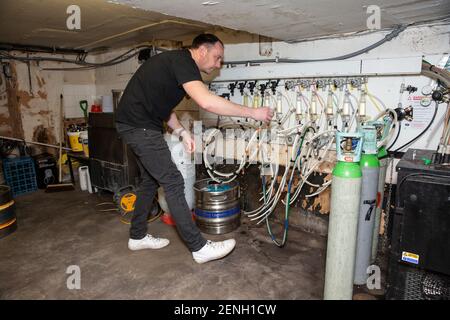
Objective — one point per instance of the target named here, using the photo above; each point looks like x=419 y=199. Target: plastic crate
x=20 y=175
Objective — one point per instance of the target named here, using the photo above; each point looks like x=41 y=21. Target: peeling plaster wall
x=39 y=106
x=5 y=125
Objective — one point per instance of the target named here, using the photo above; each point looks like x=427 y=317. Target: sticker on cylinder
x=410 y=257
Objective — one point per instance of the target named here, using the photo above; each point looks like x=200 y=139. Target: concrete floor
x=57 y=230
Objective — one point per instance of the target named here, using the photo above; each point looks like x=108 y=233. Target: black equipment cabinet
x=112 y=164
x=419 y=262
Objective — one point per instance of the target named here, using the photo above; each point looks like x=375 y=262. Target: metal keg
x=217 y=209
x=8 y=221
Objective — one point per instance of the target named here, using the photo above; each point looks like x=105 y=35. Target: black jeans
x=157 y=168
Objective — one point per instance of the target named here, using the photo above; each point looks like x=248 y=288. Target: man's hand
x=264 y=114
x=188 y=141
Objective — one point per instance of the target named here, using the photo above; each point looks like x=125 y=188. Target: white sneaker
x=148 y=242
x=213 y=250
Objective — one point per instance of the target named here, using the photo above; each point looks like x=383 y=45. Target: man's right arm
x=218 y=105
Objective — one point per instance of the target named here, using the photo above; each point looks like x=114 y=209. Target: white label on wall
x=421 y=115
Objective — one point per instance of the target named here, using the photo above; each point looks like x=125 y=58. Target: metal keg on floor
x=8 y=221
x=217 y=209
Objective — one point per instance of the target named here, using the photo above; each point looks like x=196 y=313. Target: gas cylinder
x=343 y=222
x=370 y=168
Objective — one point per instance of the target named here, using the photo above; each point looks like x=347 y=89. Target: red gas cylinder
x=167 y=218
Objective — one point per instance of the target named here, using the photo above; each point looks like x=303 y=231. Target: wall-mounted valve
x=262 y=87
x=231 y=87
x=273 y=86
x=404 y=113
x=355 y=82
x=241 y=87
x=338 y=83
x=289 y=85
x=251 y=86
x=411 y=89
x=321 y=84
x=305 y=84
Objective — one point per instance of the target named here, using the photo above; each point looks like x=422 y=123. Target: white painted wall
x=424 y=40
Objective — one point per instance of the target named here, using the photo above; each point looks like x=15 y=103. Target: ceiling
x=117 y=23
x=296 y=20
x=103 y=24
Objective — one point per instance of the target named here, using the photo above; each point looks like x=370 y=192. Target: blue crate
x=20 y=175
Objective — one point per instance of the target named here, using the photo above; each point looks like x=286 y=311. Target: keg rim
x=232 y=184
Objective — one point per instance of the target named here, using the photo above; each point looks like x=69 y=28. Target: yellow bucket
x=84 y=142
x=74 y=141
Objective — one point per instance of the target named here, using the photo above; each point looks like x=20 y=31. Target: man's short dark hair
x=205 y=38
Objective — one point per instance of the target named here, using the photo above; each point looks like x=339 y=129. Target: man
x=148 y=100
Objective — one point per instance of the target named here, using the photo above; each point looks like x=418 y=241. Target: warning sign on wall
x=422 y=113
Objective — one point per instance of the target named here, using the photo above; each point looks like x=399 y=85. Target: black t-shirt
x=156 y=88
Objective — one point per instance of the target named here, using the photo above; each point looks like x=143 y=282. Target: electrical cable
x=123 y=215
x=394 y=33
x=150 y=220
x=96 y=66
x=396 y=137
x=76 y=61
x=85 y=65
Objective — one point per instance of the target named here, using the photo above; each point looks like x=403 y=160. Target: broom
x=60 y=186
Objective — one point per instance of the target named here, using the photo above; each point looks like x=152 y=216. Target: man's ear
x=203 y=51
